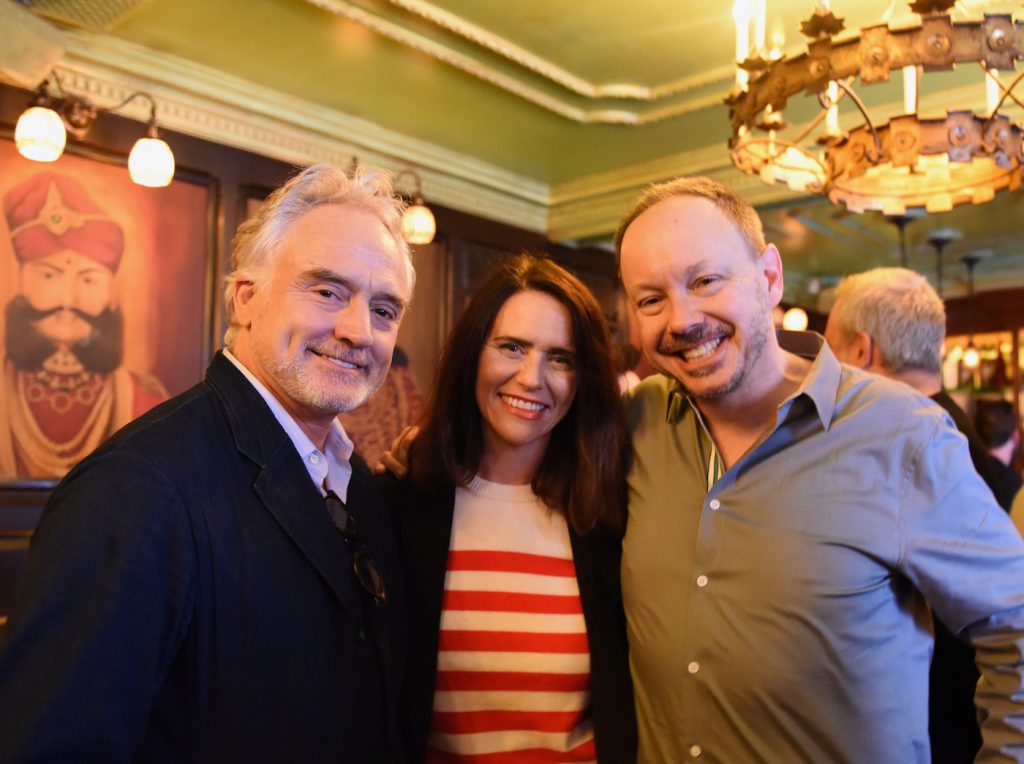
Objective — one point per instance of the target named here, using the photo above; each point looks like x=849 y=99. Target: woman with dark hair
x=510 y=524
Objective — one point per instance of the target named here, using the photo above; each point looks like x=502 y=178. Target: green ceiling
x=306 y=51
x=504 y=106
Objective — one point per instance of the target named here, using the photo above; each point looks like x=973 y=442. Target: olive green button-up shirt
x=782 y=615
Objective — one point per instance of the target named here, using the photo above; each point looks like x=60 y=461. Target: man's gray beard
x=294 y=378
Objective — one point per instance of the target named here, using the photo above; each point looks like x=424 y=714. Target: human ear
x=770 y=266
x=863 y=351
x=244 y=295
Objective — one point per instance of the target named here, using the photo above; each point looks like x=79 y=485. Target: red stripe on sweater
x=513 y=642
x=583 y=752
x=511 y=680
x=511 y=602
x=510 y=562
x=466 y=722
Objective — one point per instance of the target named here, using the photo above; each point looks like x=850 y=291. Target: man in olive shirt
x=790 y=521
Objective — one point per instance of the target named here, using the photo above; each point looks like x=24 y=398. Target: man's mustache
x=677 y=342
x=33 y=314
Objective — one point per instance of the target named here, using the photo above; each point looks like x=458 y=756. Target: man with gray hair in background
x=891 y=321
x=217 y=582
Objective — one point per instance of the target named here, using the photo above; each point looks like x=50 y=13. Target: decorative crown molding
x=719 y=77
x=211 y=105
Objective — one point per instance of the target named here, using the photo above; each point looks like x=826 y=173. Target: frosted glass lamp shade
x=151 y=163
x=40 y=134
x=418 y=225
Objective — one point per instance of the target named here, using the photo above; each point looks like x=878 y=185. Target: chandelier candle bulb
x=742 y=14
x=992 y=91
x=832 y=117
x=909 y=89
x=778 y=39
x=761 y=26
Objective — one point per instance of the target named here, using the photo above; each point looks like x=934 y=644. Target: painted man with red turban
x=64 y=389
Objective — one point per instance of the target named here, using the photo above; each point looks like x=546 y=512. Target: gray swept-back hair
x=732 y=205
x=256 y=246
x=900 y=311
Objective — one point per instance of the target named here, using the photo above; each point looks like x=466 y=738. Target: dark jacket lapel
x=283 y=483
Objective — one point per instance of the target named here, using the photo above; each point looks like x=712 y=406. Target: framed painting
x=108 y=291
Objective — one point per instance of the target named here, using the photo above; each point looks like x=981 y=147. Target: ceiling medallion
x=904 y=160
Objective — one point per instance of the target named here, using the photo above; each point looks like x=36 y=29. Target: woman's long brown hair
x=582 y=472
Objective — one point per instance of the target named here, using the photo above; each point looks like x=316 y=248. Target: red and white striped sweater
x=513 y=668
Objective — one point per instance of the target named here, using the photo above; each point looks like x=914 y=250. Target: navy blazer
x=424 y=532
x=188 y=599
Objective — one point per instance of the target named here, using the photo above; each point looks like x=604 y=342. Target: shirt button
x=693 y=667
x=695 y=751
x=314 y=459
x=714 y=504
x=702 y=581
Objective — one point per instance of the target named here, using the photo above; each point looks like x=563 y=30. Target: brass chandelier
x=907 y=161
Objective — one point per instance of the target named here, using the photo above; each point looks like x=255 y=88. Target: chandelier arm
x=867 y=118
x=817 y=120
x=1007 y=93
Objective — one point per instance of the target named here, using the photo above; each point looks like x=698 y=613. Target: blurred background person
x=510 y=527
x=891 y=321
x=997 y=427
x=396 y=405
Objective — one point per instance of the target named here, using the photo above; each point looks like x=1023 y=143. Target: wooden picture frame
x=163 y=284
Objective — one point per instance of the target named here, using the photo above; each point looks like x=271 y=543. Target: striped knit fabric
x=513 y=667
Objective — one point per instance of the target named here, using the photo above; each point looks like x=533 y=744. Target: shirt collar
x=821 y=385
x=337 y=449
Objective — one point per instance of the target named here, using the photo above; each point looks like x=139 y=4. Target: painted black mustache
x=31 y=314
x=27 y=347
x=676 y=343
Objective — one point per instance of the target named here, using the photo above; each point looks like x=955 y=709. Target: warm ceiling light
x=418 y=224
x=42 y=131
x=971 y=358
x=40 y=134
x=900 y=162
x=794 y=319
x=151 y=162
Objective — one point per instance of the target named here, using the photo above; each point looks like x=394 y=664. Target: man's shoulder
x=182 y=425
x=647 y=404
x=862 y=394
x=651 y=391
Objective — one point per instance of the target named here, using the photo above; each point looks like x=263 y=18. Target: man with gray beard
x=218 y=581
x=791 y=520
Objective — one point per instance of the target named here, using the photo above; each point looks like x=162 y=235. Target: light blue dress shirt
x=783 y=616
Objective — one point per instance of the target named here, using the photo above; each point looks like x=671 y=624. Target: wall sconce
x=418 y=224
x=42 y=129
